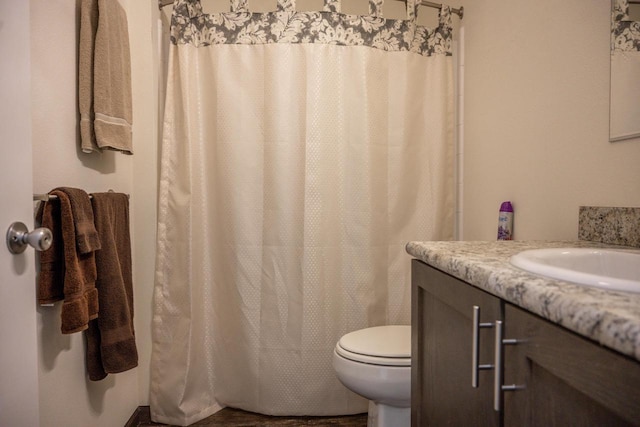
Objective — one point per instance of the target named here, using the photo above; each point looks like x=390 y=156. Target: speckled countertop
x=608 y=317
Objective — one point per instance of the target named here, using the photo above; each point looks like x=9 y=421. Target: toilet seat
x=380 y=345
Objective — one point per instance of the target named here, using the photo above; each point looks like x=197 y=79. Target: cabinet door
x=569 y=380
x=442 y=319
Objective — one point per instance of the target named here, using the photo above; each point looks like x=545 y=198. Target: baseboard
x=142 y=415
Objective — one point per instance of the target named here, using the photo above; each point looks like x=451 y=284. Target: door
x=442 y=351
x=18 y=337
x=567 y=380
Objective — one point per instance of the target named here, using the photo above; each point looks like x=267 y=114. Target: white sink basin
x=614 y=269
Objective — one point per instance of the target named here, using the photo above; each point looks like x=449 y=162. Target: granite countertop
x=611 y=318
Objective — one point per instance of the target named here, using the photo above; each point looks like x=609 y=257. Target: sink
x=614 y=269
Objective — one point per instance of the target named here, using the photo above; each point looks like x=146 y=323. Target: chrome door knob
x=18 y=237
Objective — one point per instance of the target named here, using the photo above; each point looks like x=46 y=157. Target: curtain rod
x=458 y=11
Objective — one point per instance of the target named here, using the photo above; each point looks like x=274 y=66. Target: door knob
x=18 y=237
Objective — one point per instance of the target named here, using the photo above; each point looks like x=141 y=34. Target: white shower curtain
x=301 y=152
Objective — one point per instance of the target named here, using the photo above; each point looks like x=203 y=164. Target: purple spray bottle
x=505 y=222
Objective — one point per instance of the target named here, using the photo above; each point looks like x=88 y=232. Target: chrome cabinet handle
x=475 y=347
x=18 y=237
x=498 y=388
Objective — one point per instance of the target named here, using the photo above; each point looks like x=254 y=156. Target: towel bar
x=46 y=197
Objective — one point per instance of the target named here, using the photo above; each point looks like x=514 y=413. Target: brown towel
x=68 y=270
x=111 y=346
x=51 y=275
x=104 y=77
x=87 y=239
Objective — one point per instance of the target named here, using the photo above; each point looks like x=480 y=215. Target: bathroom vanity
x=494 y=345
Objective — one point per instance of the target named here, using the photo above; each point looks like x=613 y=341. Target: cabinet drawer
x=569 y=380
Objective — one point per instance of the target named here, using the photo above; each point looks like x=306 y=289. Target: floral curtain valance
x=625 y=34
x=190 y=25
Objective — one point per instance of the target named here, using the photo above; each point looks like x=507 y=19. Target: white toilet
x=376 y=364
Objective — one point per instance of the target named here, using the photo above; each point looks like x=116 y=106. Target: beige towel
x=104 y=77
x=111 y=345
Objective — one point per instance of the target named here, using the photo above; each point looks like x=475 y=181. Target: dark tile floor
x=230 y=417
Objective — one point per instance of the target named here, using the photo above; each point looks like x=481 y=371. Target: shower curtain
x=301 y=151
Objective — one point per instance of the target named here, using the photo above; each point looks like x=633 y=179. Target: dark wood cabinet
x=561 y=378
x=568 y=380
x=442 y=316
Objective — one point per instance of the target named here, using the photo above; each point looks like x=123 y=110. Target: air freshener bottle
x=505 y=222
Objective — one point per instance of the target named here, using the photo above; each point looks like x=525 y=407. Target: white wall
x=66 y=396
x=536 y=117
x=143 y=16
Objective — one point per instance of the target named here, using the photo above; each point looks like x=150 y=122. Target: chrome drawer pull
x=475 y=347
x=498 y=388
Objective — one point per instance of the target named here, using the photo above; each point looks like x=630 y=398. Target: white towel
x=104 y=76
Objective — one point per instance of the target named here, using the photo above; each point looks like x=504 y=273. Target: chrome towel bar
x=46 y=197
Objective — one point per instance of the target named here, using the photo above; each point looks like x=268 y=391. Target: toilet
x=376 y=364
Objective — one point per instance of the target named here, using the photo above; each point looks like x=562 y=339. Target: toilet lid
x=380 y=345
